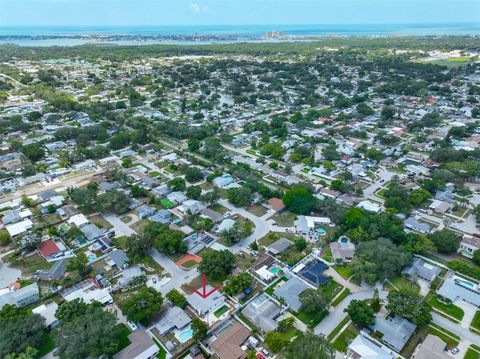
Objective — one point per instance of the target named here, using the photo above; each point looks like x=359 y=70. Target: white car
x=132 y=325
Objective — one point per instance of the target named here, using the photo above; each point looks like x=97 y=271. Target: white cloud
x=197 y=8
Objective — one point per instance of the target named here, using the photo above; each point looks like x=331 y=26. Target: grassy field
x=331 y=289
x=47 y=346
x=344 y=271
x=335 y=331
x=401 y=283
x=476 y=321
x=345 y=293
x=344 y=339
x=257 y=210
x=29 y=264
x=311 y=320
x=284 y=219
x=450 y=309
x=471 y=354
x=448 y=337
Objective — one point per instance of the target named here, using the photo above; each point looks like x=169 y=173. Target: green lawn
x=335 y=331
x=346 y=292
x=47 y=346
x=331 y=289
x=310 y=320
x=223 y=309
x=450 y=309
x=284 y=219
x=28 y=264
x=270 y=289
x=476 y=321
x=401 y=283
x=123 y=336
x=166 y=203
x=344 y=339
x=328 y=255
x=344 y=271
x=471 y=354
x=189 y=264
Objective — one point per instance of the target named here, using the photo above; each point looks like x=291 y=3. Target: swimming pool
x=186 y=335
x=320 y=230
x=274 y=270
x=91 y=257
x=344 y=240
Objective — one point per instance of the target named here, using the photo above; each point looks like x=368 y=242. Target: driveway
x=118 y=225
x=262 y=227
x=8 y=275
x=337 y=314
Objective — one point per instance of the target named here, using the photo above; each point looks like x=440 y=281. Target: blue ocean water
x=240 y=30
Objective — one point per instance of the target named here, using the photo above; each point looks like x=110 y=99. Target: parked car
x=455 y=351
x=132 y=325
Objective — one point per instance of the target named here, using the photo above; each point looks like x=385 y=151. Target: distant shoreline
x=184 y=35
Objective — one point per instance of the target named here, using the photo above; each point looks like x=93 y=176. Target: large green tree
x=361 y=313
x=309 y=346
x=299 y=200
x=19 y=330
x=379 y=259
x=142 y=305
x=445 y=240
x=313 y=301
x=217 y=265
x=89 y=333
x=409 y=304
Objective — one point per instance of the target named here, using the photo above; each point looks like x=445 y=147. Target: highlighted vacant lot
x=189 y=261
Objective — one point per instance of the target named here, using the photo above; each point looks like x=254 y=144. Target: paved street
x=179 y=276
x=455 y=328
x=8 y=275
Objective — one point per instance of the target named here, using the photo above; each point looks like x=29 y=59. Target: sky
x=235 y=12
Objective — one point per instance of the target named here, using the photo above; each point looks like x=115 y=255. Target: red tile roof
x=47 y=248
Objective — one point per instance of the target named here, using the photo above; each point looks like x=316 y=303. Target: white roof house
x=370 y=206
x=363 y=348
x=18 y=228
x=48 y=312
x=78 y=220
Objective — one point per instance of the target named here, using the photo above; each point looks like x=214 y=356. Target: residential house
x=141 y=346
x=364 y=347
x=16 y=215
x=307 y=224
x=343 y=250
x=19 y=296
x=225 y=225
x=276 y=204
x=370 y=206
x=91 y=232
x=47 y=311
x=290 y=292
x=172 y=318
x=468 y=246
x=396 y=331
x=262 y=312
x=440 y=207
x=413 y=224
x=145 y=211
x=431 y=348
x=456 y=288
x=204 y=306
x=18 y=228
x=279 y=246
x=87 y=291
x=223 y=181
x=191 y=206
x=422 y=269
x=129 y=274
x=228 y=345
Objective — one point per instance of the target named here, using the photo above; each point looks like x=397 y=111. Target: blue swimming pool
x=274 y=270
x=320 y=230
x=186 y=335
